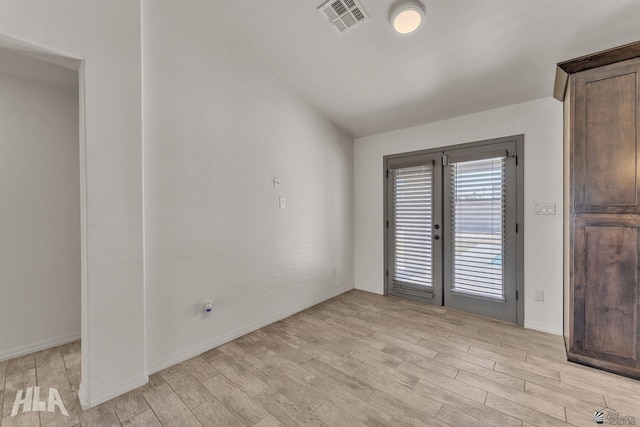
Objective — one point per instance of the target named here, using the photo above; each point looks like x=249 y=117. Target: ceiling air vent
x=344 y=15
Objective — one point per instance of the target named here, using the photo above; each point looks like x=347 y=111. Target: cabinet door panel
x=605 y=298
x=610 y=143
x=606 y=140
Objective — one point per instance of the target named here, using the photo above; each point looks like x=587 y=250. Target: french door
x=451 y=224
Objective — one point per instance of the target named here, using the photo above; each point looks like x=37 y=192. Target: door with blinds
x=414 y=204
x=452 y=227
x=480 y=229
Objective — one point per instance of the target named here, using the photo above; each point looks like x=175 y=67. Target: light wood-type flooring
x=356 y=360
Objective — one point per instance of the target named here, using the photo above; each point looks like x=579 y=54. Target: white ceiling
x=471 y=55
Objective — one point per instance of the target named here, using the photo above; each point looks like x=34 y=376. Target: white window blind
x=478 y=217
x=412 y=191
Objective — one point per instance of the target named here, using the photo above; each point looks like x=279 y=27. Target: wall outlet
x=539 y=295
x=207 y=308
x=333 y=272
x=282 y=203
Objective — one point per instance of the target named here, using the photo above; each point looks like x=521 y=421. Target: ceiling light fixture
x=407 y=17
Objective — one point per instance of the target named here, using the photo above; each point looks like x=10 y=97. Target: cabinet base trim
x=604 y=366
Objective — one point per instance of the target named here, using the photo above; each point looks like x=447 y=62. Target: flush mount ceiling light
x=407 y=17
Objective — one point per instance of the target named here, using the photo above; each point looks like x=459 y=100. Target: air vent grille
x=344 y=15
x=339 y=7
x=356 y=12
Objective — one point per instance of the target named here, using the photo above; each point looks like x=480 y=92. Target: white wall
x=218 y=128
x=40 y=214
x=106 y=35
x=541 y=123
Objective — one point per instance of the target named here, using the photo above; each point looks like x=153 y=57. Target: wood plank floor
x=356 y=360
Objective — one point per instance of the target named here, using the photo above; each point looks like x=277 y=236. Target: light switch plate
x=282 y=203
x=545 y=209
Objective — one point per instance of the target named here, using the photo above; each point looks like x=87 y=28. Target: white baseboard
x=208 y=345
x=103 y=396
x=371 y=291
x=543 y=328
x=38 y=346
x=83 y=396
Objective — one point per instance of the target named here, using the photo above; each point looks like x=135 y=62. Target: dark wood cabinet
x=605 y=142
x=602 y=211
x=605 y=301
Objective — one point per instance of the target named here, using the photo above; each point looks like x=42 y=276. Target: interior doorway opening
x=42 y=242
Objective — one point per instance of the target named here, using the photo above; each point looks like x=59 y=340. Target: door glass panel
x=478 y=232
x=412 y=207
